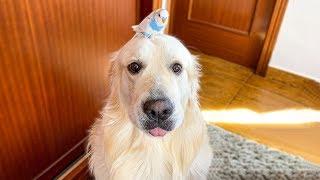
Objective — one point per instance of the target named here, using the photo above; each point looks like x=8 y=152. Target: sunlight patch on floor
x=247 y=116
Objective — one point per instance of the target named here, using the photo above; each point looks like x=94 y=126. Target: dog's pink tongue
x=157 y=132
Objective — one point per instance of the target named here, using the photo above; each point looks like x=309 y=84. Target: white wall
x=298 y=46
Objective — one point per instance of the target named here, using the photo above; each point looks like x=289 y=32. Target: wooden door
x=52 y=78
x=232 y=29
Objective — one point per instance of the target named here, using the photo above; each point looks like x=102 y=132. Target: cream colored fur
x=119 y=148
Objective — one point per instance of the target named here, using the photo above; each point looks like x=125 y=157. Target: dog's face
x=157 y=79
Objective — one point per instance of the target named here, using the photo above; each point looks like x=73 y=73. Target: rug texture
x=235 y=157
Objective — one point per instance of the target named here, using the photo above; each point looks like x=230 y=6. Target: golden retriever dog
x=151 y=127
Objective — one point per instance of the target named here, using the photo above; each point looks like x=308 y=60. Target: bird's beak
x=163 y=20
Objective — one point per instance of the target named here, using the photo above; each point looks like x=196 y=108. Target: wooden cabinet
x=53 y=78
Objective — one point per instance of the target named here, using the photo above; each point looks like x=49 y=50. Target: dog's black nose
x=158 y=109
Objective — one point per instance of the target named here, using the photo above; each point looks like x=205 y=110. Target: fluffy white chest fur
x=121 y=151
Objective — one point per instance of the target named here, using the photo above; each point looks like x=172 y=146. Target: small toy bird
x=153 y=24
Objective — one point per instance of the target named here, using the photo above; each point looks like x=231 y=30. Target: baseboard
x=296 y=73
x=78 y=170
x=64 y=161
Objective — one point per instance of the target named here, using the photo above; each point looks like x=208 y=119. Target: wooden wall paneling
x=145 y=8
x=52 y=78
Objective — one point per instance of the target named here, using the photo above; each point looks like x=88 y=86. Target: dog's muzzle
x=158 y=112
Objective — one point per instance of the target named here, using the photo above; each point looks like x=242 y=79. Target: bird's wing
x=144 y=25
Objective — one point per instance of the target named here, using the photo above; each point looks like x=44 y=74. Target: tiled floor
x=280 y=99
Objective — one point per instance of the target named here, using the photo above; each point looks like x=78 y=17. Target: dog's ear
x=113 y=58
x=113 y=73
x=194 y=76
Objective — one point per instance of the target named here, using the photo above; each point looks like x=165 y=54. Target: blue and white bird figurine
x=153 y=24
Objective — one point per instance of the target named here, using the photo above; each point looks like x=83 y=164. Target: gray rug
x=235 y=157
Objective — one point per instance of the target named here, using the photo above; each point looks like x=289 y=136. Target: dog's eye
x=134 y=68
x=176 y=68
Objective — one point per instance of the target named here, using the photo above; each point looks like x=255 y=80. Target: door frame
x=270 y=38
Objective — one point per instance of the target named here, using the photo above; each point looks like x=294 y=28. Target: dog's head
x=155 y=79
